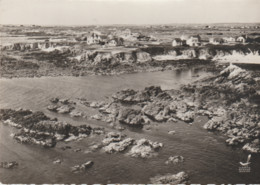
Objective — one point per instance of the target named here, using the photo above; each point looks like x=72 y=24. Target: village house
x=96 y=38
x=216 y=41
x=44 y=45
x=178 y=42
x=34 y=45
x=115 y=42
x=143 y=37
x=124 y=34
x=194 y=40
x=241 y=39
x=229 y=39
x=127 y=32
x=152 y=38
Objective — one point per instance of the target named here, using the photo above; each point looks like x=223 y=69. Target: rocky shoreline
x=83 y=62
x=37 y=128
x=230 y=100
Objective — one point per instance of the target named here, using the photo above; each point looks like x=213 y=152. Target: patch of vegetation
x=59 y=59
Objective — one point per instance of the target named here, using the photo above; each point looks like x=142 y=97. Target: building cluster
x=116 y=38
x=195 y=40
x=96 y=37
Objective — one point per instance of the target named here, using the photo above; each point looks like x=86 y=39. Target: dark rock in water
x=130 y=116
x=66 y=147
x=82 y=167
x=157 y=111
x=112 y=137
x=77 y=150
x=98 y=130
x=152 y=110
x=145 y=148
x=174 y=160
x=32 y=137
x=64 y=109
x=252 y=147
x=54 y=100
x=172 y=132
x=120 y=146
x=53 y=107
x=58 y=161
x=97 y=117
x=129 y=96
x=156 y=92
x=8 y=165
x=76 y=113
x=130 y=107
x=36 y=128
x=96 y=104
x=153 y=90
x=26 y=118
x=64 y=101
x=179 y=178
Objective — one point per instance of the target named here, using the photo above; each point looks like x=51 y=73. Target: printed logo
x=244 y=166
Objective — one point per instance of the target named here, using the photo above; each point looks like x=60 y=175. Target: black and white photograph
x=130 y=92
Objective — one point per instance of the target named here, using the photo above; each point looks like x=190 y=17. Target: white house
x=127 y=32
x=193 y=40
x=229 y=39
x=112 y=42
x=96 y=38
x=216 y=41
x=115 y=42
x=241 y=39
x=178 y=42
x=34 y=45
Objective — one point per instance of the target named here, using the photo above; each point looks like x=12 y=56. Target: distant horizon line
x=122 y=24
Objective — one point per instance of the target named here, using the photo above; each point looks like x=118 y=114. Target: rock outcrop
x=229 y=99
x=145 y=148
x=138 y=108
x=8 y=165
x=115 y=147
x=82 y=167
x=179 y=178
x=238 y=114
x=175 y=160
x=37 y=128
x=115 y=142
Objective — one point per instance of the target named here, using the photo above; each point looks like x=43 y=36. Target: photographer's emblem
x=244 y=166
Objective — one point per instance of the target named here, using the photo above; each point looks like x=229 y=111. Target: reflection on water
x=207 y=158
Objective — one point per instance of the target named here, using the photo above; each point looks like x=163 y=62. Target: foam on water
x=236 y=57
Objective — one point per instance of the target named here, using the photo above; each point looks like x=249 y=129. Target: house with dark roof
x=194 y=40
x=96 y=38
x=242 y=39
x=178 y=42
x=229 y=39
x=115 y=42
x=216 y=41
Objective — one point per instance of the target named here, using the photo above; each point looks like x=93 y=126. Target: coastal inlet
x=180 y=147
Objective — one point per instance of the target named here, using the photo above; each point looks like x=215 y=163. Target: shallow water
x=207 y=158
